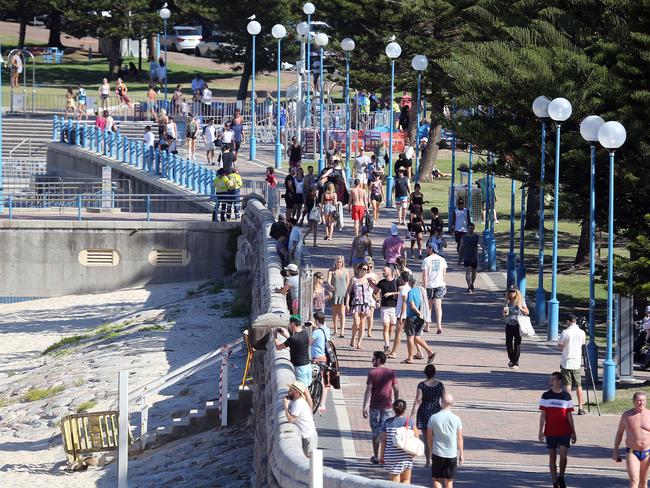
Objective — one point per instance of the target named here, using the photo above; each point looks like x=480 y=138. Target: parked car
x=211 y=45
x=182 y=38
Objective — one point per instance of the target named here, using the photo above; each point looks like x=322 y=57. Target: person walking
x=637 y=441
x=297 y=340
x=393 y=247
x=313 y=212
x=238 y=130
x=237 y=184
x=222 y=187
x=427 y=403
x=513 y=308
x=556 y=426
x=571 y=341
x=81 y=101
x=402 y=190
x=190 y=135
x=338 y=278
x=321 y=292
x=358 y=302
x=104 y=93
x=358 y=205
x=289 y=193
x=469 y=254
x=400 y=308
x=70 y=106
x=209 y=137
x=381 y=388
x=298 y=410
x=16 y=68
x=376 y=195
x=373 y=279
x=273 y=194
x=299 y=193
x=295 y=153
x=445 y=439
x=151 y=103
x=460 y=219
x=388 y=290
x=398 y=462
x=361 y=247
x=295 y=242
x=329 y=203
x=417 y=309
x=416 y=228
x=319 y=338
x=434 y=271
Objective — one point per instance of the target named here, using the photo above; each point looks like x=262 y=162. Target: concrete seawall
x=279 y=460
x=50 y=258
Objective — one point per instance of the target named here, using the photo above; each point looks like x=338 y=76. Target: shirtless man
x=358 y=205
x=636 y=425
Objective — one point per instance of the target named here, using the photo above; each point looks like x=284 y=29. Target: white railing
x=141 y=396
x=28 y=141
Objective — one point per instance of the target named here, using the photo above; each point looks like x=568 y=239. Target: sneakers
x=510 y=364
x=374 y=460
x=516 y=366
x=560 y=482
x=581 y=412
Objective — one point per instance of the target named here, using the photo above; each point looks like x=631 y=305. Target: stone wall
x=279 y=459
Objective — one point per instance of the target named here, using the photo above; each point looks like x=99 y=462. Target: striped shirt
x=557 y=407
x=395 y=459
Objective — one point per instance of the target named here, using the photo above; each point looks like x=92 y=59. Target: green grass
x=623 y=400
x=66 y=341
x=36 y=394
x=86 y=406
x=5 y=402
x=153 y=328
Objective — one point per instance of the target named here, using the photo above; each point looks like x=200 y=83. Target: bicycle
x=316 y=387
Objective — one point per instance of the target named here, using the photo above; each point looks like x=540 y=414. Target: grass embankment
x=623 y=399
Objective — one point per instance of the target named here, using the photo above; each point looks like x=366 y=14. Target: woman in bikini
x=329 y=201
x=338 y=279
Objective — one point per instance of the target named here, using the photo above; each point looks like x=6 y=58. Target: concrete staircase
x=199 y=420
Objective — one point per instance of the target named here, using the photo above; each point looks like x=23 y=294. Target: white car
x=182 y=38
x=211 y=45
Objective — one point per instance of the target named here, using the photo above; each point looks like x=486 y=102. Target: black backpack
x=332 y=362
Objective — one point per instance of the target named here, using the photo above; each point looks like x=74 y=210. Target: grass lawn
x=623 y=399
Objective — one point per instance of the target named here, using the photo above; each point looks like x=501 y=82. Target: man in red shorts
x=358 y=205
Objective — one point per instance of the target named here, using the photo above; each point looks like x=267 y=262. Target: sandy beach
x=148 y=332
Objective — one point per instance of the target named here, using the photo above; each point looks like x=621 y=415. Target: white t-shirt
x=207 y=95
x=573 y=338
x=299 y=408
x=409 y=152
x=435 y=266
x=362 y=163
x=227 y=136
x=460 y=222
x=295 y=240
x=209 y=134
x=401 y=299
x=109 y=123
x=148 y=138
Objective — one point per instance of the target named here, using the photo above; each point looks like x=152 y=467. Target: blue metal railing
x=136 y=154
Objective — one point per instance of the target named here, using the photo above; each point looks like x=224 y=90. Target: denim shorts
x=377 y=419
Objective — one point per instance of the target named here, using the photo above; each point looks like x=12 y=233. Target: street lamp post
x=164 y=15
x=393 y=51
x=347 y=45
x=540 y=109
x=559 y=110
x=469 y=181
x=512 y=257
x=611 y=136
x=419 y=64
x=521 y=268
x=253 y=29
x=278 y=31
x=321 y=41
x=589 y=130
x=2 y=196
x=308 y=8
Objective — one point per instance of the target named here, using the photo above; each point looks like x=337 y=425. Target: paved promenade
x=498 y=406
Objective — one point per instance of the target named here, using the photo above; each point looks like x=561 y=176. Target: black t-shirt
x=227 y=159
x=401 y=187
x=388 y=286
x=298 y=345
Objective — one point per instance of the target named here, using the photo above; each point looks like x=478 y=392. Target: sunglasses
x=512 y=291
x=364 y=269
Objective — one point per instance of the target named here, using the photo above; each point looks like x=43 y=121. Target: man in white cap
x=298 y=409
x=291 y=286
x=393 y=248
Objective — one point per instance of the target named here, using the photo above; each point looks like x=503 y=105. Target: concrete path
x=498 y=406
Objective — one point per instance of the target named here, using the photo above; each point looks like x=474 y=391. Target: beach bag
x=525 y=326
x=406 y=440
x=314 y=214
x=370 y=221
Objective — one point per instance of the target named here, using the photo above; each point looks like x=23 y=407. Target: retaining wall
x=279 y=460
x=41 y=258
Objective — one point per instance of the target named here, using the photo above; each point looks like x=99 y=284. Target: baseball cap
x=393 y=229
x=293 y=268
x=512 y=288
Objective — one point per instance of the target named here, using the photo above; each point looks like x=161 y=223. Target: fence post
x=70 y=132
x=11 y=207
x=131 y=151
x=123 y=435
x=77 y=134
x=144 y=423
x=316 y=469
x=177 y=169
x=148 y=205
x=55 y=128
x=223 y=387
x=78 y=207
x=186 y=166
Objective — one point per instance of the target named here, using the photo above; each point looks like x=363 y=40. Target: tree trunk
x=23 y=31
x=113 y=58
x=152 y=47
x=582 y=255
x=242 y=91
x=435 y=134
x=54 y=24
x=532 y=208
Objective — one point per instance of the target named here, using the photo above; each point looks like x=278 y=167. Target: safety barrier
x=88 y=433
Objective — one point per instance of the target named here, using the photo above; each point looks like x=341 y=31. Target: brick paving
x=498 y=405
